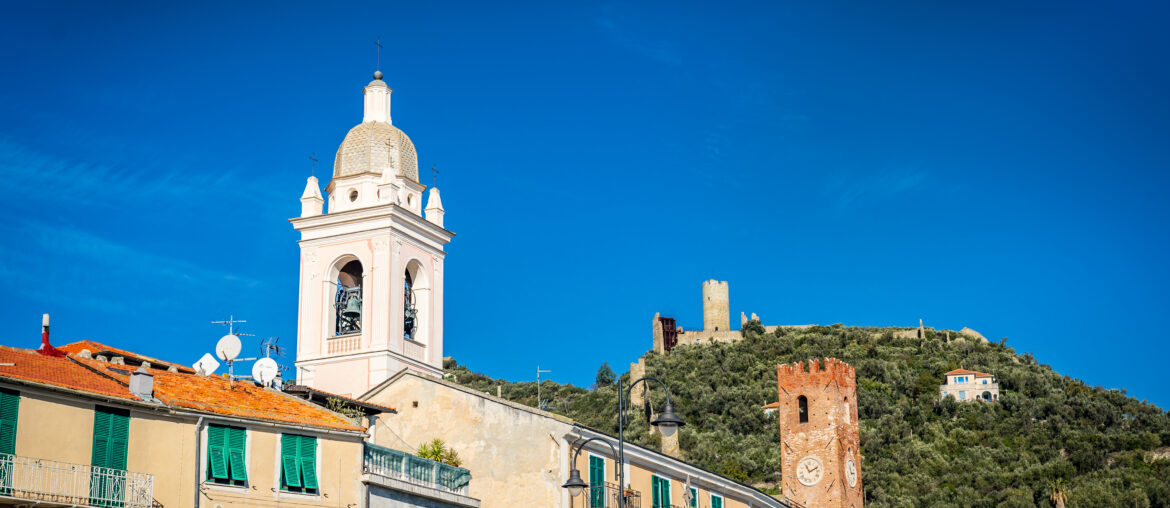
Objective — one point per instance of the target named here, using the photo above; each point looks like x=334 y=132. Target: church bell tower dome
x=376 y=146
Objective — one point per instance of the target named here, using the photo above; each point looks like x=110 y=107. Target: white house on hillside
x=966 y=385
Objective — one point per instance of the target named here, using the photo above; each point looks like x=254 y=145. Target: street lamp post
x=667 y=423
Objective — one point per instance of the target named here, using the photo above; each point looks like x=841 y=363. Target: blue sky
x=992 y=165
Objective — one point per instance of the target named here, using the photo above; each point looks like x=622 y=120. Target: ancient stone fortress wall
x=820 y=452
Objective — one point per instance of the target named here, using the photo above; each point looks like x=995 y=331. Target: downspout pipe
x=198 y=446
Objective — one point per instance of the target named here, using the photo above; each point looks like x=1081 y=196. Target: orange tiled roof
x=97 y=347
x=242 y=399
x=28 y=365
x=965 y=371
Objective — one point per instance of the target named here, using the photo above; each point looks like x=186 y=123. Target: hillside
x=1105 y=448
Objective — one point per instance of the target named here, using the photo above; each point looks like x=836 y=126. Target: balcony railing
x=60 y=483
x=606 y=496
x=416 y=470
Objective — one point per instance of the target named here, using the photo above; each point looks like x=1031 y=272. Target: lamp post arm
x=630 y=388
x=582 y=446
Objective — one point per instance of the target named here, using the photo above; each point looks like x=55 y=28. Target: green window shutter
x=9 y=411
x=716 y=502
x=237 y=438
x=217 y=462
x=308 y=457
x=694 y=498
x=665 y=489
x=290 y=466
x=655 y=494
x=101 y=438
x=596 y=482
x=119 y=439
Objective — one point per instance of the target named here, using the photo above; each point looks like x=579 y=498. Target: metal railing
x=50 y=481
x=606 y=496
x=413 y=469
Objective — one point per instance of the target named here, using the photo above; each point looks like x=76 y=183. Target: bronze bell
x=353 y=308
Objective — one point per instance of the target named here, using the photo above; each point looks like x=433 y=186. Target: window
x=298 y=463
x=111 y=437
x=596 y=482
x=9 y=409
x=226 y=463
x=716 y=501
x=985 y=381
x=802 y=403
x=659 y=492
x=962 y=395
x=694 y=498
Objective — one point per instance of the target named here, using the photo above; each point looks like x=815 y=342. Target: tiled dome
x=372 y=147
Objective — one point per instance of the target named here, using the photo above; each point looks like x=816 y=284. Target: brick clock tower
x=820 y=455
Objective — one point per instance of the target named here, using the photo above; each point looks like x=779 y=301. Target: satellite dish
x=265 y=370
x=228 y=348
x=206 y=365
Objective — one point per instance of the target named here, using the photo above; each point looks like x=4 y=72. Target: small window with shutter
x=9 y=411
x=226 y=455
x=298 y=463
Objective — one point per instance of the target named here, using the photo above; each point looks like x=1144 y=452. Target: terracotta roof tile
x=209 y=394
x=242 y=399
x=28 y=365
x=97 y=347
x=965 y=371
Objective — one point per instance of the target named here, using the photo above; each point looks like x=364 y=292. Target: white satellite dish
x=228 y=348
x=265 y=370
x=206 y=365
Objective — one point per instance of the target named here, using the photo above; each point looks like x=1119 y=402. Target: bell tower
x=820 y=453
x=371 y=275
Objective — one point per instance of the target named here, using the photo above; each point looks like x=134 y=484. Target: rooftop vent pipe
x=46 y=348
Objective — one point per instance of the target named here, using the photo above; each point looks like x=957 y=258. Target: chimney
x=142 y=384
x=46 y=348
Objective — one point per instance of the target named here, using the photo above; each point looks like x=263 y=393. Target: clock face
x=809 y=471
x=851 y=472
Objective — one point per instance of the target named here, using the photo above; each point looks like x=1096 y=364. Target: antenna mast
x=539 y=402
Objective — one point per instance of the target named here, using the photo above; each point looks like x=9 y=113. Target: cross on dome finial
x=378 y=63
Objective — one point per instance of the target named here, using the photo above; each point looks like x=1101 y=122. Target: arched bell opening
x=416 y=308
x=802 y=408
x=347 y=300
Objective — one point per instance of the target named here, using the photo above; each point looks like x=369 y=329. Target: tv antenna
x=229 y=346
x=268 y=347
x=540 y=404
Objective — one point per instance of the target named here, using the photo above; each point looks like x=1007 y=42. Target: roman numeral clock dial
x=809 y=471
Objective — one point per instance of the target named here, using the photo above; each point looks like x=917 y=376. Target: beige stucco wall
x=60 y=427
x=514 y=454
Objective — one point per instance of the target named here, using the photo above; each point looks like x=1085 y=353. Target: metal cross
x=313 y=158
x=435 y=179
x=378 y=43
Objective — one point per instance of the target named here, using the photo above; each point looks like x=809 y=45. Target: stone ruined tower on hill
x=716 y=306
x=371 y=283
x=820 y=453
